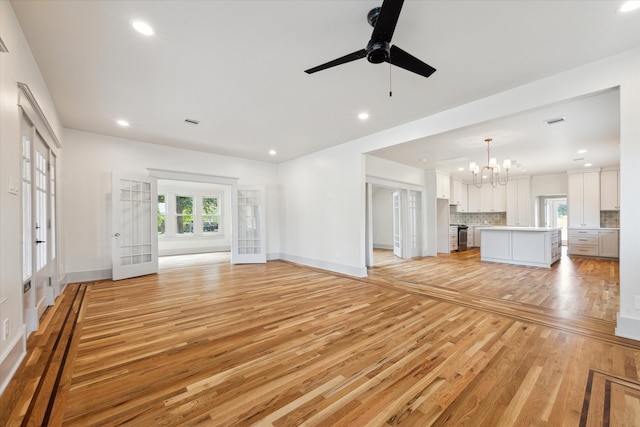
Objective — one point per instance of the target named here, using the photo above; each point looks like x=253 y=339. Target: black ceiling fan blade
x=387 y=20
x=405 y=60
x=342 y=60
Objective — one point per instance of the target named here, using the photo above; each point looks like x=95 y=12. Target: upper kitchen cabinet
x=583 y=199
x=443 y=190
x=458 y=195
x=519 y=202
x=610 y=190
x=474 y=199
x=493 y=199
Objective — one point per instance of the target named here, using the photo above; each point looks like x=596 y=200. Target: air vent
x=192 y=121
x=554 y=121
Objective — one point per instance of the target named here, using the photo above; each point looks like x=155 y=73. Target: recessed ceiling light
x=123 y=123
x=588 y=165
x=142 y=27
x=628 y=6
x=424 y=159
x=272 y=152
x=582 y=151
x=363 y=116
x=460 y=169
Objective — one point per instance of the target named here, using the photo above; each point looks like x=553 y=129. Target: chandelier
x=493 y=169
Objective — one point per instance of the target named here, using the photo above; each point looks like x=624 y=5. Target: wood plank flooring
x=433 y=341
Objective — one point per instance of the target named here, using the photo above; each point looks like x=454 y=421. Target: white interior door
x=41 y=225
x=397 y=224
x=134 y=226
x=248 y=243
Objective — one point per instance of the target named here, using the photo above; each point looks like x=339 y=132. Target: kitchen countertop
x=504 y=228
x=593 y=228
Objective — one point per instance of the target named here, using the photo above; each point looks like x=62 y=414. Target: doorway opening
x=393 y=223
x=555 y=215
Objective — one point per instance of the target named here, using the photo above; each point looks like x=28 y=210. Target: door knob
x=117 y=235
x=39 y=241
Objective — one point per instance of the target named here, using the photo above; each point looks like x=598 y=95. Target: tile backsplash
x=478 y=218
x=610 y=219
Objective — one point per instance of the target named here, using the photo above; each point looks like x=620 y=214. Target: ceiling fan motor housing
x=377 y=51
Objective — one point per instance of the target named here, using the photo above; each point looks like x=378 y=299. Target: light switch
x=13 y=186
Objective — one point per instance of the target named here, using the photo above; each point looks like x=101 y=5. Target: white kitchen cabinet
x=533 y=246
x=518 y=202
x=458 y=195
x=493 y=199
x=584 y=199
x=453 y=238
x=609 y=243
x=443 y=190
x=594 y=242
x=473 y=198
x=470 y=237
x=610 y=190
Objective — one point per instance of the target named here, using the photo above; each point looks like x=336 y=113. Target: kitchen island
x=532 y=246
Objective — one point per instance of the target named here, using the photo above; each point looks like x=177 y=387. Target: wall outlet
x=637 y=302
x=5 y=329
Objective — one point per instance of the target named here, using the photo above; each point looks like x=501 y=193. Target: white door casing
x=248 y=243
x=134 y=226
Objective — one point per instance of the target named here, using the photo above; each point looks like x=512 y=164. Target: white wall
x=18 y=65
x=89 y=161
x=382 y=205
x=549 y=185
x=393 y=172
x=323 y=210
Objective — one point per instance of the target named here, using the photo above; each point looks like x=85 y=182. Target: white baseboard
x=628 y=327
x=11 y=358
x=382 y=246
x=189 y=251
x=88 y=276
x=326 y=265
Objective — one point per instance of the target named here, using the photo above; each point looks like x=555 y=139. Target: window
x=162 y=214
x=210 y=214
x=184 y=214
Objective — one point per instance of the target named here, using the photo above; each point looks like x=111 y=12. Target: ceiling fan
x=383 y=20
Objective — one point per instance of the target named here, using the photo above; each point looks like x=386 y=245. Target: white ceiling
x=237 y=66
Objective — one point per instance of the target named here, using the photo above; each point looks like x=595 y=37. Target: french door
x=397 y=224
x=248 y=244
x=39 y=276
x=41 y=223
x=134 y=226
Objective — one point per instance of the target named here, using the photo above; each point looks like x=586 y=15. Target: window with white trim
x=184 y=214
x=211 y=214
x=162 y=214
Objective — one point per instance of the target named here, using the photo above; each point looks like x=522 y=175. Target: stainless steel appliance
x=462 y=237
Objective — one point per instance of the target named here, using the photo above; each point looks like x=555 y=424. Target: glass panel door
x=248 y=241
x=397 y=224
x=134 y=225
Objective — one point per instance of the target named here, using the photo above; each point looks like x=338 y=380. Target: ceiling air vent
x=192 y=121
x=554 y=121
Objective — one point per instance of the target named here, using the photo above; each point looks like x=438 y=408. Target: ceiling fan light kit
x=379 y=49
x=492 y=168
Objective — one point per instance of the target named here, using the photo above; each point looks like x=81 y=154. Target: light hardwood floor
x=432 y=341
